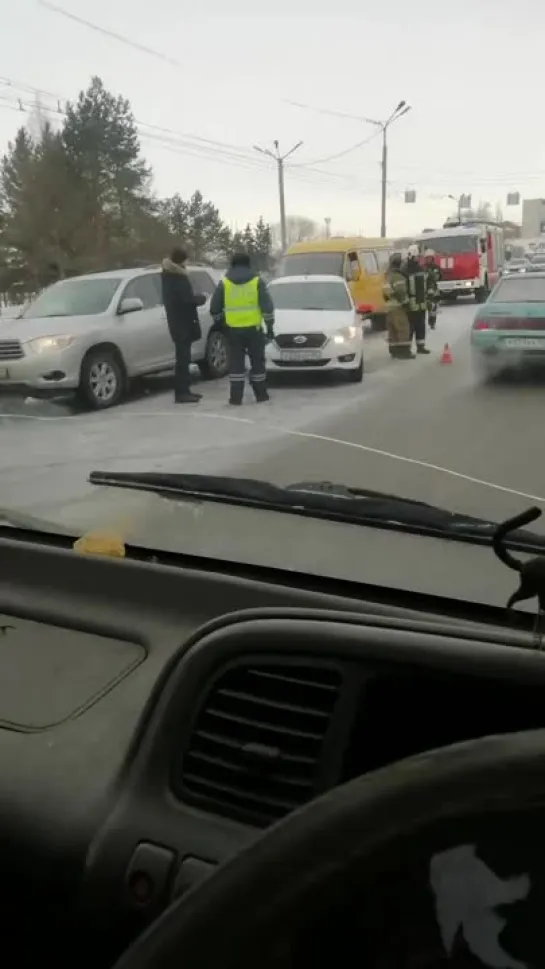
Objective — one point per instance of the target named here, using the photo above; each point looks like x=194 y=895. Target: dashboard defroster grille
x=254 y=752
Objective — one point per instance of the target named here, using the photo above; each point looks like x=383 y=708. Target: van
x=362 y=262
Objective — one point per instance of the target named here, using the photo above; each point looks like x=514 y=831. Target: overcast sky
x=472 y=72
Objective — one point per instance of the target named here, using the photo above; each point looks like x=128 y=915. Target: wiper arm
x=323 y=500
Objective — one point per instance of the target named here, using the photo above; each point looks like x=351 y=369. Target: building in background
x=533 y=218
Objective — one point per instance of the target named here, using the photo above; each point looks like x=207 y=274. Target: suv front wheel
x=102 y=380
x=216 y=357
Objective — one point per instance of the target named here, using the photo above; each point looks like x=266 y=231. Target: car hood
x=30 y=329
x=271 y=539
x=311 y=321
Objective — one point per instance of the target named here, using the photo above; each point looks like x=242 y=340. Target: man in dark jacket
x=180 y=304
x=242 y=304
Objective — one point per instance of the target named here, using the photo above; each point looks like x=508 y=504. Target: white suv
x=92 y=334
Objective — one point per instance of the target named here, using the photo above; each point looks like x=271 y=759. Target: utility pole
x=327 y=221
x=280 y=159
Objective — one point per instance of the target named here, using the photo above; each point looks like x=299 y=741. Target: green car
x=508 y=331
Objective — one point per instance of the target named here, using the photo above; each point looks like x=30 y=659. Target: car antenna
x=532 y=572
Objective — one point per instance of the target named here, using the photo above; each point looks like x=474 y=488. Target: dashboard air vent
x=255 y=748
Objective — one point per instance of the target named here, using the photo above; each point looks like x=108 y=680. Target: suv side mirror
x=130 y=305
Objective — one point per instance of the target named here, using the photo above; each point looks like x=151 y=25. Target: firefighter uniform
x=418 y=298
x=434 y=294
x=396 y=297
x=242 y=304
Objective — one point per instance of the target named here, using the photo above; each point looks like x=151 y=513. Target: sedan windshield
x=520 y=289
x=74 y=297
x=310 y=295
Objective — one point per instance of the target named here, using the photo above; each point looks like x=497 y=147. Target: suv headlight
x=43 y=344
x=346 y=335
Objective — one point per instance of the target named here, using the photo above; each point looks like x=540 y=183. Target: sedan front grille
x=300 y=341
x=11 y=350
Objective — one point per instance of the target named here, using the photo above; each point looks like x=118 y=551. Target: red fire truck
x=469 y=254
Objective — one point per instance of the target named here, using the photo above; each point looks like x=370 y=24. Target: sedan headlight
x=346 y=335
x=44 y=344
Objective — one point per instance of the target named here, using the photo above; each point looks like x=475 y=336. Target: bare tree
x=298 y=229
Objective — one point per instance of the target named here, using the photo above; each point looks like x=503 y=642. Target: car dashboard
x=157 y=716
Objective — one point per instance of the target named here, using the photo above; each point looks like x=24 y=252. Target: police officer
x=396 y=297
x=418 y=298
x=434 y=294
x=243 y=304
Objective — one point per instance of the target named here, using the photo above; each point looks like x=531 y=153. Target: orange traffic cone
x=446 y=355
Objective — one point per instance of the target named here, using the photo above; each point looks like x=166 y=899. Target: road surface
x=412 y=428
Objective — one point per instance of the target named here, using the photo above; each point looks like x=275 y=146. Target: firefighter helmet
x=413 y=251
x=429 y=254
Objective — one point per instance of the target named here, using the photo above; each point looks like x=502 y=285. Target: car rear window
x=520 y=289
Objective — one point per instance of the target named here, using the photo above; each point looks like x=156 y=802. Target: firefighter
x=417 y=286
x=243 y=304
x=434 y=275
x=396 y=297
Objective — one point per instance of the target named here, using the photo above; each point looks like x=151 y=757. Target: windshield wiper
x=324 y=500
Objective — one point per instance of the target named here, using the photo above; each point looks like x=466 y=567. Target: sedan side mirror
x=365 y=309
x=130 y=305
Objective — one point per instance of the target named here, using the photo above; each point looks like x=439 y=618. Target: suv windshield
x=310 y=296
x=74 y=297
x=312 y=264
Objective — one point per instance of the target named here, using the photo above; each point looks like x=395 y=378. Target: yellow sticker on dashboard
x=100 y=543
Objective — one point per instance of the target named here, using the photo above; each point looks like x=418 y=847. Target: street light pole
x=280 y=159
x=401 y=109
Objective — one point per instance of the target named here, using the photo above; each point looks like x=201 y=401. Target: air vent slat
x=248 y=800
x=244 y=773
x=263 y=725
x=256 y=746
x=272 y=704
x=215 y=740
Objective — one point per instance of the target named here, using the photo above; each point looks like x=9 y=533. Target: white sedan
x=316 y=327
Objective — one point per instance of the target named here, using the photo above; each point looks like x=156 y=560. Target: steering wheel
x=436 y=860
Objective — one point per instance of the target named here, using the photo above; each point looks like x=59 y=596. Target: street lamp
x=383 y=126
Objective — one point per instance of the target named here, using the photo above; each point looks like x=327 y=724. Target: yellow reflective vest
x=241 y=303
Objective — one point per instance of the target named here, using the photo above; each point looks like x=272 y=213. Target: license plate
x=524 y=343
x=4 y=373
x=291 y=356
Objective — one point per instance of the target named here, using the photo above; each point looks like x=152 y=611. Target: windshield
x=270 y=323
x=312 y=264
x=74 y=297
x=452 y=245
x=520 y=289
x=310 y=296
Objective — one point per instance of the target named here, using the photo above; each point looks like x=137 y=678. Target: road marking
x=279 y=428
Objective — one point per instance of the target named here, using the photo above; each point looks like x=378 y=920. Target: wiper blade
x=324 y=500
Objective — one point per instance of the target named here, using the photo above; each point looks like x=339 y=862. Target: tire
x=481 y=295
x=102 y=379
x=355 y=376
x=216 y=361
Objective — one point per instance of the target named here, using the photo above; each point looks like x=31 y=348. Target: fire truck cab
x=469 y=254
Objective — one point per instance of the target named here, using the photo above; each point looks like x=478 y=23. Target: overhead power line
x=121 y=38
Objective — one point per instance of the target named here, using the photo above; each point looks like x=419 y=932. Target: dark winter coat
x=180 y=302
